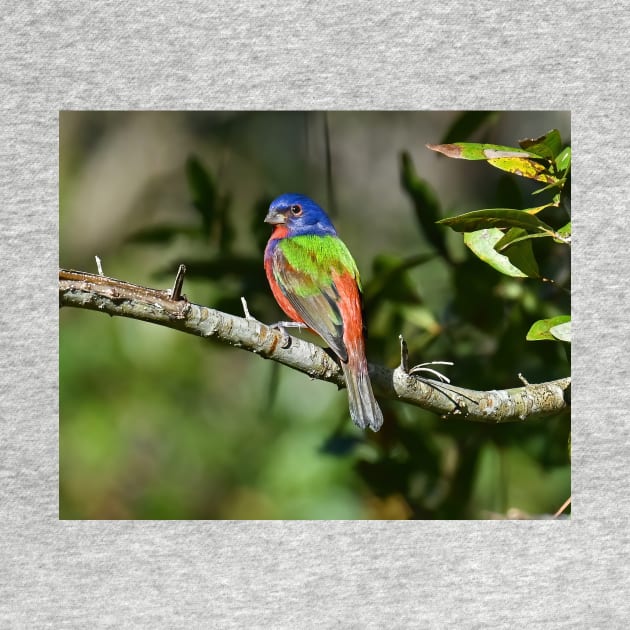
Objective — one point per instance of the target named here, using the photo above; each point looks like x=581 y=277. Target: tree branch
x=115 y=297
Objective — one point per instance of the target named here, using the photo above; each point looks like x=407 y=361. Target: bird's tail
x=364 y=409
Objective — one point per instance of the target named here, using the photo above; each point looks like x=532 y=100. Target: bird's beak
x=275 y=218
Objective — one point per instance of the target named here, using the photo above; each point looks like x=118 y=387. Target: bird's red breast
x=280 y=231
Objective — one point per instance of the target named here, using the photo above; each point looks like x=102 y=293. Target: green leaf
x=516 y=235
x=563 y=161
x=482 y=243
x=495 y=218
x=547 y=146
x=520 y=252
x=479 y=151
x=563 y=235
x=541 y=330
x=565 y=230
x=425 y=202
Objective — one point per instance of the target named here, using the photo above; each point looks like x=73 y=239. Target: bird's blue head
x=294 y=214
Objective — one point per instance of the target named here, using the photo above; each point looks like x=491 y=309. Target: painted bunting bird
x=316 y=283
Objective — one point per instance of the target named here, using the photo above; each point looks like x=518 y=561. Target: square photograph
x=314 y=315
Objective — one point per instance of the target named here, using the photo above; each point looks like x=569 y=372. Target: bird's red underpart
x=281 y=298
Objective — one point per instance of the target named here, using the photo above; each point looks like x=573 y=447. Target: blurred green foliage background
x=156 y=424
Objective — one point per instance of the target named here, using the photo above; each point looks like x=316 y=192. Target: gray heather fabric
x=220 y=55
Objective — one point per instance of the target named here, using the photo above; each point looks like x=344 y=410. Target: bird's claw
x=282 y=326
x=286 y=338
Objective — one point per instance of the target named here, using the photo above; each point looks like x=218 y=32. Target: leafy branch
x=502 y=237
x=172 y=310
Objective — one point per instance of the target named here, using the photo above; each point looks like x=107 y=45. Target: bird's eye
x=296 y=210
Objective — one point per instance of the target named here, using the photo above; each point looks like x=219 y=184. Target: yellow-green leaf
x=524 y=167
x=537 y=209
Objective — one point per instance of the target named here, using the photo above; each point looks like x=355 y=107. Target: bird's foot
x=282 y=326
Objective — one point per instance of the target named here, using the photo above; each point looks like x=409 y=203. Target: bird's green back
x=316 y=258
